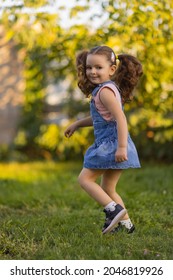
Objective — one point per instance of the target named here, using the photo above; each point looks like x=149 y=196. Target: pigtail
x=83 y=83
x=127 y=75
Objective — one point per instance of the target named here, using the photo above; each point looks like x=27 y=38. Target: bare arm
x=80 y=123
x=112 y=104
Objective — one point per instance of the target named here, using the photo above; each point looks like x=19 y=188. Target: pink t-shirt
x=99 y=105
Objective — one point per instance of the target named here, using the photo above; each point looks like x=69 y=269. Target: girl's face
x=98 y=68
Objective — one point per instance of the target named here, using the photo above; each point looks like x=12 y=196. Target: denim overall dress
x=101 y=155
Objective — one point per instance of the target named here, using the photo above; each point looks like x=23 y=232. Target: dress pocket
x=105 y=149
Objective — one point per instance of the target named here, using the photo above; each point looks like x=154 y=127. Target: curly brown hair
x=126 y=77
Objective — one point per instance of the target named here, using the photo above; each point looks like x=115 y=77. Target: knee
x=86 y=177
x=84 y=180
x=81 y=180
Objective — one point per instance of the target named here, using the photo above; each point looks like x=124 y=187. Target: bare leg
x=110 y=179
x=87 y=179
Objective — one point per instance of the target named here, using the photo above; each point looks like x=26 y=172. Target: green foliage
x=55 y=145
x=35 y=3
x=142 y=28
x=34 y=95
x=44 y=214
x=145 y=29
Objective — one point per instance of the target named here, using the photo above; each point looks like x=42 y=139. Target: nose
x=93 y=70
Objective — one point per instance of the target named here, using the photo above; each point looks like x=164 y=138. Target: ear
x=113 y=69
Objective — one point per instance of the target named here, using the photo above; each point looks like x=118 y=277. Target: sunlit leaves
x=35 y=3
x=142 y=28
x=78 y=9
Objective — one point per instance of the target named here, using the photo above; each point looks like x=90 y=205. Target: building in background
x=11 y=88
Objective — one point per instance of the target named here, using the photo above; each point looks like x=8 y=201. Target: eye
x=88 y=67
x=98 y=67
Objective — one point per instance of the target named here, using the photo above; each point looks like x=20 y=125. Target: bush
x=55 y=145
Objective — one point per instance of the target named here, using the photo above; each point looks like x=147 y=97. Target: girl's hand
x=121 y=154
x=70 y=130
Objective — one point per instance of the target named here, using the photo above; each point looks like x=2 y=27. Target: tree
x=142 y=28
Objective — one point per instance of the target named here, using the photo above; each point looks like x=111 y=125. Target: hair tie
x=117 y=60
x=112 y=57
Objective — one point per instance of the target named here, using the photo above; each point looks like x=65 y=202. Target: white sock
x=110 y=206
x=127 y=223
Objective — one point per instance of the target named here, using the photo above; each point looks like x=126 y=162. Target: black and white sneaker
x=131 y=230
x=117 y=228
x=120 y=227
x=113 y=217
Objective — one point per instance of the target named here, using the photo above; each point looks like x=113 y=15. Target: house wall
x=11 y=88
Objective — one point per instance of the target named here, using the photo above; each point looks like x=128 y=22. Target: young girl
x=110 y=79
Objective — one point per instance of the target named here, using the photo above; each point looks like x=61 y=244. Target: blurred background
x=39 y=96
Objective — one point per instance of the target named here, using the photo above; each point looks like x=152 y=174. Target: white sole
x=115 y=221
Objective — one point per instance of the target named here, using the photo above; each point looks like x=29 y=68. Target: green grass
x=45 y=215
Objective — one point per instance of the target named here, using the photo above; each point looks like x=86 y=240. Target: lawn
x=45 y=215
